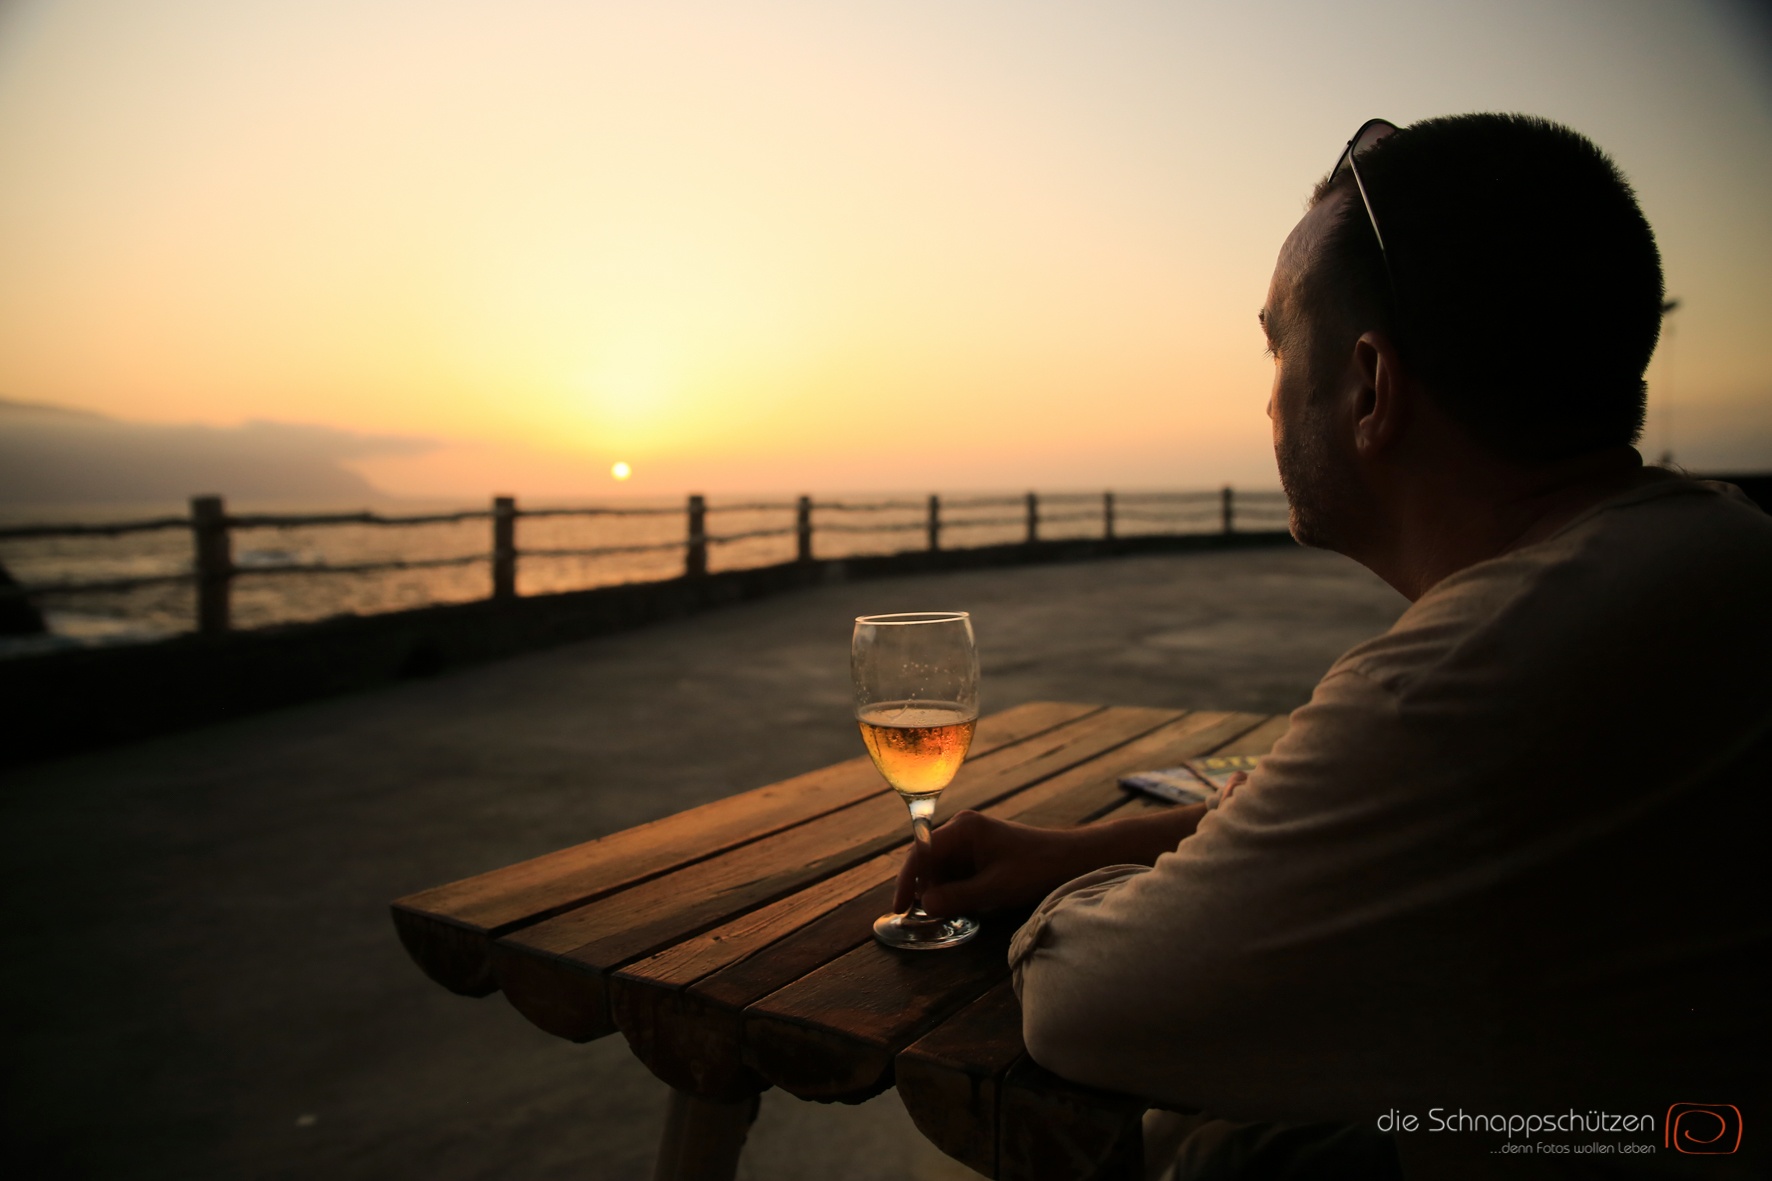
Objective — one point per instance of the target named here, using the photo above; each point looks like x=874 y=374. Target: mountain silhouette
x=61 y=455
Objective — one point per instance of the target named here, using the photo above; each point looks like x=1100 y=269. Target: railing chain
x=213 y=568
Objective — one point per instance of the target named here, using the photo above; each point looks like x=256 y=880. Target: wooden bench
x=731 y=945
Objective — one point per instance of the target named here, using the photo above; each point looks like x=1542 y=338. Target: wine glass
x=916 y=700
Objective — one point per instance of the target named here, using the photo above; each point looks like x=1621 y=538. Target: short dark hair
x=1528 y=289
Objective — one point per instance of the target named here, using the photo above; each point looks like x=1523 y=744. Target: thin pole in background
x=504 y=547
x=215 y=562
x=803 y=529
x=695 y=558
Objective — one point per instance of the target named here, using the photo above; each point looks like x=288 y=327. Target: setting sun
x=621 y=471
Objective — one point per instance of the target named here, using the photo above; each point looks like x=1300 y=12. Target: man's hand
x=982 y=864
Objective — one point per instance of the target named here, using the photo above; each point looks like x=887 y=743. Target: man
x=1509 y=858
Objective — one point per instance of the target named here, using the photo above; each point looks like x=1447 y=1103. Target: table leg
x=1163 y=1133
x=1126 y=1161
x=702 y=1138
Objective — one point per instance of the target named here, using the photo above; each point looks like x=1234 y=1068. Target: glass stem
x=922 y=811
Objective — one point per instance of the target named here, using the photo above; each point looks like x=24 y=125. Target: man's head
x=1526 y=303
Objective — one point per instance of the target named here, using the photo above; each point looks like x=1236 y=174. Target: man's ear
x=1383 y=401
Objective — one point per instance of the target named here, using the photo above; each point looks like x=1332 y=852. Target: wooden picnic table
x=732 y=945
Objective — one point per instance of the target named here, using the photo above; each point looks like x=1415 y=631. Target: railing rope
x=596 y=551
x=303 y=520
x=213 y=570
x=214 y=562
x=594 y=511
x=747 y=535
x=880 y=506
x=117 y=529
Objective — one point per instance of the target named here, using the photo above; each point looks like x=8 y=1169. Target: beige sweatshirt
x=1512 y=853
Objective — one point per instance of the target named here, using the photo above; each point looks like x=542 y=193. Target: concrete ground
x=201 y=978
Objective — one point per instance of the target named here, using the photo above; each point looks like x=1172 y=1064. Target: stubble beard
x=1317 y=489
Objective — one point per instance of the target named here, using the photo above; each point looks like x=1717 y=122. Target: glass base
x=917 y=931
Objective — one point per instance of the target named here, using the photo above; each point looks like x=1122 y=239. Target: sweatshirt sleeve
x=1279 y=942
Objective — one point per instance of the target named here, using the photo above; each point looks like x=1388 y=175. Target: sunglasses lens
x=1369 y=135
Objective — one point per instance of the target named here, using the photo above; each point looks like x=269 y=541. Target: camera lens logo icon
x=1703 y=1129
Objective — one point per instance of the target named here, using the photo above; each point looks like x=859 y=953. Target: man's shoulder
x=1666 y=506
x=1673 y=569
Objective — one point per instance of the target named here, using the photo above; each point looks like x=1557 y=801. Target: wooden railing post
x=1033 y=518
x=215 y=562
x=934 y=521
x=1228 y=511
x=1107 y=515
x=504 y=547
x=695 y=558
x=803 y=529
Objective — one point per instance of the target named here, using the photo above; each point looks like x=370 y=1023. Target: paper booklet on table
x=1193 y=782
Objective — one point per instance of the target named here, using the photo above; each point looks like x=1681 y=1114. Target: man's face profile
x=1316 y=477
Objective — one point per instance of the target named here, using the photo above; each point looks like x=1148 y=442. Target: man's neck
x=1449 y=516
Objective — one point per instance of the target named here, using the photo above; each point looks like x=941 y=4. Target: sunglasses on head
x=1370 y=132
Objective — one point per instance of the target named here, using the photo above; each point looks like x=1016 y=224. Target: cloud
x=59 y=455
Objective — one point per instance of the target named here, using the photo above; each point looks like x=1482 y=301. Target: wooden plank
x=792 y=1037
x=704 y=954
x=1090 y=792
x=1255 y=739
x=854 y=1014
x=1259 y=740
x=694 y=1039
x=612 y=931
x=949 y=1077
x=447 y=930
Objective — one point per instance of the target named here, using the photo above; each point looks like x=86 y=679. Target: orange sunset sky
x=792 y=245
